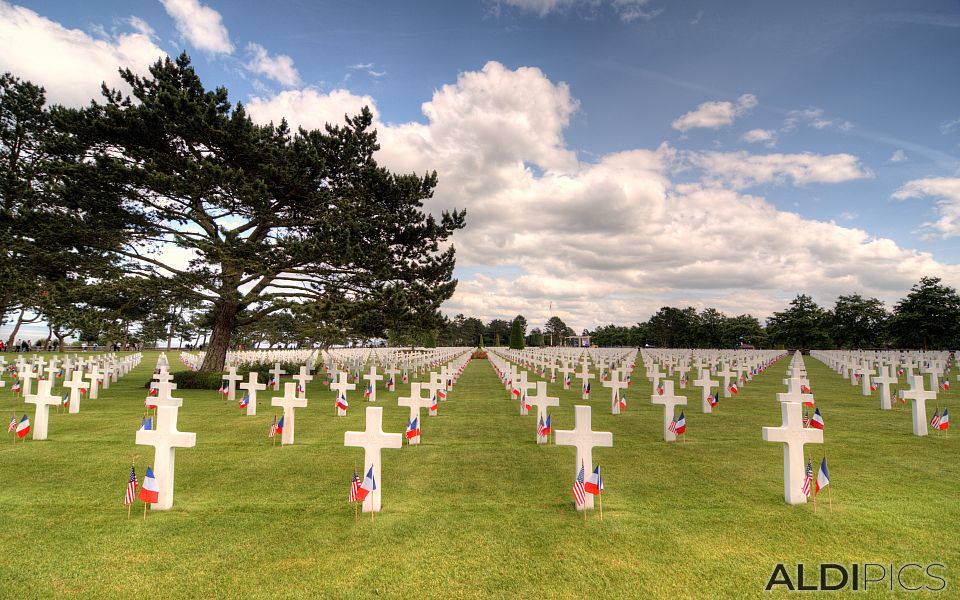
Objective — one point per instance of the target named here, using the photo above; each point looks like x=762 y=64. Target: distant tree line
x=928 y=318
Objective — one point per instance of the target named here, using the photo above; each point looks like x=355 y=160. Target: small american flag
x=578 y=490
x=13 y=424
x=673 y=425
x=807 y=479
x=273 y=427
x=935 y=421
x=806 y=418
x=131 y=487
x=540 y=428
x=354 y=487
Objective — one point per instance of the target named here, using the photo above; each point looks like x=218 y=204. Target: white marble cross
x=303 y=378
x=373 y=378
x=432 y=387
x=542 y=402
x=705 y=383
x=883 y=381
x=415 y=402
x=373 y=440
x=918 y=397
x=75 y=384
x=44 y=399
x=275 y=374
x=165 y=438
x=96 y=377
x=341 y=386
x=585 y=376
x=391 y=372
x=585 y=440
x=615 y=384
x=865 y=373
x=669 y=401
x=290 y=402
x=565 y=370
x=232 y=379
x=252 y=387
x=25 y=374
x=726 y=374
x=793 y=435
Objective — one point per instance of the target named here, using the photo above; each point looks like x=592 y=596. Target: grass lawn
x=478 y=510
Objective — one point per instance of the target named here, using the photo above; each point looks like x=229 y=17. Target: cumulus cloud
x=768 y=137
x=279 y=68
x=741 y=169
x=947 y=192
x=200 y=25
x=308 y=108
x=814 y=117
x=70 y=64
x=714 y=115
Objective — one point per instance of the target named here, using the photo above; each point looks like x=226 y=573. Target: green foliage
x=516 y=334
x=495 y=332
x=554 y=331
x=928 y=318
x=802 y=326
x=858 y=322
x=275 y=217
x=195 y=380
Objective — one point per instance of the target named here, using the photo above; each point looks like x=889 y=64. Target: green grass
x=478 y=510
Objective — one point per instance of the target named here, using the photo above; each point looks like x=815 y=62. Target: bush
x=479 y=354
x=195 y=380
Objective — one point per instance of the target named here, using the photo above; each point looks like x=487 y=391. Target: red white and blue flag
x=342 y=401
x=245 y=401
x=273 y=427
x=672 y=428
x=369 y=484
x=594 y=484
x=579 y=493
x=354 y=487
x=823 y=478
x=149 y=491
x=806 y=418
x=435 y=404
x=817 y=421
x=944 y=420
x=442 y=394
x=368 y=391
x=804 y=388
x=413 y=429
x=13 y=423
x=546 y=427
x=279 y=425
x=223 y=390
x=16 y=387
x=622 y=400
x=660 y=388
x=808 y=479
x=714 y=399
x=935 y=421
x=146 y=424
x=23 y=427
x=540 y=427
x=131 y=492
x=733 y=388
x=152 y=392
x=681 y=427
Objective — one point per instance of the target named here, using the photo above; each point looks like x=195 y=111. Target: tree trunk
x=223 y=324
x=16 y=329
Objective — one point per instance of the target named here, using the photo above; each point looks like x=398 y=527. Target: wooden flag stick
x=600 y=501
x=145 y=511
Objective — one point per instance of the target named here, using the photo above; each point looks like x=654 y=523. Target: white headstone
x=44 y=399
x=252 y=387
x=542 y=402
x=584 y=439
x=669 y=401
x=166 y=439
x=290 y=402
x=793 y=435
x=373 y=440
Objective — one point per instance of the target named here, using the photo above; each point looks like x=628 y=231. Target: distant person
x=83 y=345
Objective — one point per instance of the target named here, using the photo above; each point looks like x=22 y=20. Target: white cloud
x=200 y=25
x=279 y=68
x=308 y=108
x=813 y=117
x=714 y=115
x=612 y=240
x=947 y=192
x=766 y=136
x=741 y=169
x=898 y=156
x=71 y=64
x=950 y=126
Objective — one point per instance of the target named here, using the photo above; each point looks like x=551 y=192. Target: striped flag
x=578 y=488
x=817 y=421
x=808 y=479
x=540 y=427
x=273 y=427
x=131 y=487
x=354 y=486
x=944 y=420
x=935 y=421
x=806 y=418
x=673 y=425
x=13 y=423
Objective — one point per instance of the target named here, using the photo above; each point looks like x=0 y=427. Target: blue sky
x=863 y=95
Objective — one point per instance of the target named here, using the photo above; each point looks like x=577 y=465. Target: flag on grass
x=146 y=424
x=342 y=403
x=131 y=492
x=515 y=392
x=390 y=382
x=525 y=405
x=623 y=401
x=809 y=403
x=808 y=479
x=279 y=425
x=442 y=394
x=368 y=391
x=823 y=478
x=681 y=427
x=273 y=427
x=578 y=488
x=300 y=389
x=944 y=421
x=540 y=427
x=354 y=487
x=223 y=390
x=435 y=404
x=149 y=491
x=594 y=484
x=805 y=389
x=714 y=399
x=13 y=423
x=817 y=421
x=16 y=387
x=935 y=421
x=660 y=388
x=152 y=392
x=65 y=400
x=733 y=388
x=23 y=427
x=806 y=418
x=413 y=429
x=369 y=484
x=245 y=401
x=546 y=427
